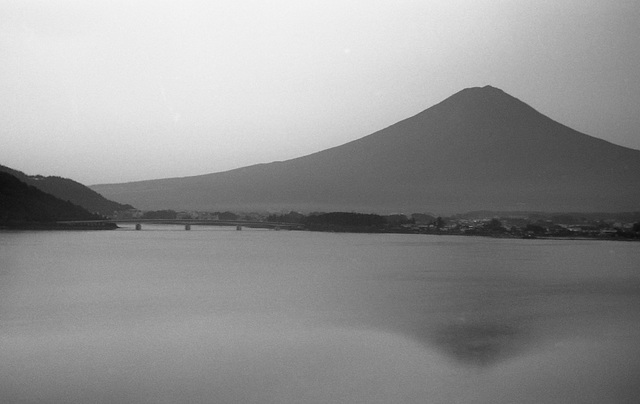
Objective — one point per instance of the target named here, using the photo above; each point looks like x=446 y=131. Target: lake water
x=215 y=315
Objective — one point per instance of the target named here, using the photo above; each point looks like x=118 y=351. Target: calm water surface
x=215 y=315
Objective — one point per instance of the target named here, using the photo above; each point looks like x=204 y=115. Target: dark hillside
x=21 y=203
x=70 y=190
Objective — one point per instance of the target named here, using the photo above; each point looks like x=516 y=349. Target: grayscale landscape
x=319 y=202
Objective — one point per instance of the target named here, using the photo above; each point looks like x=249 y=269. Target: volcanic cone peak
x=480 y=149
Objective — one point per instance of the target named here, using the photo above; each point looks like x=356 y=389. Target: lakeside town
x=615 y=226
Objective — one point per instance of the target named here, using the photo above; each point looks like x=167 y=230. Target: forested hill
x=21 y=204
x=69 y=190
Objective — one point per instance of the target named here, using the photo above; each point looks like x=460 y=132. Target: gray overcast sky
x=115 y=91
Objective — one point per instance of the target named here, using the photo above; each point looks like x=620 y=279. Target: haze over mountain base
x=480 y=149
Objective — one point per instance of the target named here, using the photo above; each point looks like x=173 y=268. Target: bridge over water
x=187 y=223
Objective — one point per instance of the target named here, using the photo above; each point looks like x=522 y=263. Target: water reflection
x=221 y=360
x=479 y=343
x=488 y=302
x=506 y=317
x=283 y=317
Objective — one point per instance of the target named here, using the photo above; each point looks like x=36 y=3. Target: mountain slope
x=67 y=189
x=21 y=203
x=478 y=149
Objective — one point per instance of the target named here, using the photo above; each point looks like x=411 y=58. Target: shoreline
x=321 y=229
x=486 y=235
x=59 y=226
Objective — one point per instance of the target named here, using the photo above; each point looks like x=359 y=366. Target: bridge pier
x=187 y=227
x=138 y=226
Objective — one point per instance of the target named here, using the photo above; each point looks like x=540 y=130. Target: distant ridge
x=480 y=149
x=69 y=190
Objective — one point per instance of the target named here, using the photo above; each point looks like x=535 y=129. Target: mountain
x=67 y=189
x=21 y=204
x=480 y=149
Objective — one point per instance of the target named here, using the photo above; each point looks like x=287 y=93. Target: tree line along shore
x=495 y=224
x=25 y=206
